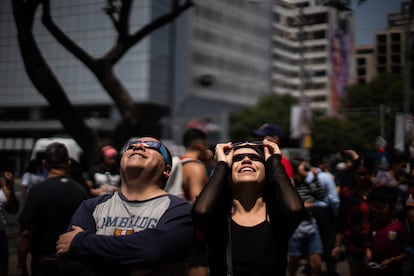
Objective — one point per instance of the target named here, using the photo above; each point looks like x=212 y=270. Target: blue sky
x=371 y=17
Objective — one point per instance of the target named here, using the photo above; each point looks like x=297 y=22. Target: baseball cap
x=109 y=151
x=268 y=129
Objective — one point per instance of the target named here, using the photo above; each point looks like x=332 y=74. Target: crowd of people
x=235 y=208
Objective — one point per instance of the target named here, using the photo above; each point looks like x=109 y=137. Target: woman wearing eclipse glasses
x=138 y=230
x=248 y=210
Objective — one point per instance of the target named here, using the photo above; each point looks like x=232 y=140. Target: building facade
x=392 y=49
x=313 y=52
x=365 y=64
x=394 y=45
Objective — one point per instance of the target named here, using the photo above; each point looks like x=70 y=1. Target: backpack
x=174 y=184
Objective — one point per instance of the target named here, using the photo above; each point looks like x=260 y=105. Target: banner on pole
x=404 y=133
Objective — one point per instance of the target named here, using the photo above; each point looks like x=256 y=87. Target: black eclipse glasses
x=251 y=156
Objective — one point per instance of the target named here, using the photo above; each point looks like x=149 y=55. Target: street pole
x=301 y=55
x=407 y=70
x=407 y=86
x=382 y=129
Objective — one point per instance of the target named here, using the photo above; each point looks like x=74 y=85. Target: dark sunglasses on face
x=158 y=146
x=251 y=156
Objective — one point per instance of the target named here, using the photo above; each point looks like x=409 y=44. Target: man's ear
x=167 y=171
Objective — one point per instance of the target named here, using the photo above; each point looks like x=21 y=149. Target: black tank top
x=253 y=250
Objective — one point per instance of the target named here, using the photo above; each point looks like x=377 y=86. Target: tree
x=357 y=129
x=271 y=108
x=48 y=85
x=361 y=117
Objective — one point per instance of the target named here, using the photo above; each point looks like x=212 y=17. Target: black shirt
x=48 y=209
x=253 y=250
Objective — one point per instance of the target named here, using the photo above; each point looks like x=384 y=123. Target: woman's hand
x=224 y=152
x=270 y=148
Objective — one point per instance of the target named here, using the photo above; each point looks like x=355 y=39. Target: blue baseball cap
x=268 y=129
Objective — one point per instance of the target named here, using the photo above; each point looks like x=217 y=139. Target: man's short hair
x=193 y=134
x=56 y=155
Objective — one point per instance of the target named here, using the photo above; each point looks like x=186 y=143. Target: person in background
x=248 y=210
x=46 y=214
x=410 y=224
x=10 y=204
x=389 y=246
x=104 y=178
x=31 y=176
x=325 y=210
x=76 y=173
x=194 y=177
x=194 y=170
x=138 y=230
x=274 y=134
x=306 y=241
x=353 y=229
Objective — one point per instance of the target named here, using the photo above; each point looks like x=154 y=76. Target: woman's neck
x=250 y=212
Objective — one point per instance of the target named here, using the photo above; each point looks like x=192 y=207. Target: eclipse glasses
x=158 y=146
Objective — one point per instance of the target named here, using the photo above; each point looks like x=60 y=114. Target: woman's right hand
x=224 y=152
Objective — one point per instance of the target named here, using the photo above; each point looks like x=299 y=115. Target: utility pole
x=301 y=55
x=407 y=70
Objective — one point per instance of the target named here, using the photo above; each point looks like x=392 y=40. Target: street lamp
x=408 y=12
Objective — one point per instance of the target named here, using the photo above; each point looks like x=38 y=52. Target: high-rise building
x=393 y=45
x=391 y=52
x=222 y=61
x=365 y=64
x=313 y=52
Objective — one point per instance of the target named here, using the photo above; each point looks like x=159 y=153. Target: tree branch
x=124 y=45
x=63 y=39
x=160 y=21
x=124 y=19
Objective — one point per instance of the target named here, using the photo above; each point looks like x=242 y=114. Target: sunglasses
x=247 y=144
x=251 y=156
x=158 y=146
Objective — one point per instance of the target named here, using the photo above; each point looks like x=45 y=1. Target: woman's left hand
x=270 y=148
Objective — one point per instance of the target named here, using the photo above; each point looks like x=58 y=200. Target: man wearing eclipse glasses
x=138 y=229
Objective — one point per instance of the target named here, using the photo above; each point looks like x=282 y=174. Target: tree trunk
x=46 y=83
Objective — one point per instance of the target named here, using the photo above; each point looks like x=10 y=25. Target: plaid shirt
x=354 y=220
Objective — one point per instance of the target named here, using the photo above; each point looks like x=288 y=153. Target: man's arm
x=168 y=241
x=194 y=178
x=7 y=185
x=23 y=243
